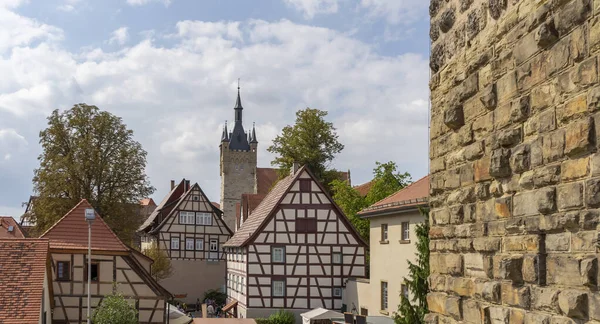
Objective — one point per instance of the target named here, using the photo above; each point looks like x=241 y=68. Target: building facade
x=112 y=263
x=392 y=246
x=191 y=230
x=296 y=251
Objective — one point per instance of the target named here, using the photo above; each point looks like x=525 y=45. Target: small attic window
x=304 y=185
x=11 y=228
x=195 y=198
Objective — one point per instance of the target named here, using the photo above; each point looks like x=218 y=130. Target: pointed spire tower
x=225 y=135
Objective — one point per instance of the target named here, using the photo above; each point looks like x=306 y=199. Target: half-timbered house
x=296 y=251
x=192 y=232
x=111 y=262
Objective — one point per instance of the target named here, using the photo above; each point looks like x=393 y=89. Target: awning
x=229 y=306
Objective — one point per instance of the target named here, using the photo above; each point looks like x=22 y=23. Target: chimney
x=348 y=318
x=172 y=184
x=187 y=185
x=295 y=167
x=360 y=319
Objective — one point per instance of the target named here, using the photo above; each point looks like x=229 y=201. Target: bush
x=282 y=317
x=115 y=309
x=218 y=297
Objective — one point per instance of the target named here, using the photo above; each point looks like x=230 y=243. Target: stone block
x=586 y=73
x=472 y=312
x=563 y=221
x=496 y=315
x=453 y=117
x=574 y=108
x=474 y=151
x=509 y=137
x=572 y=15
x=524 y=243
x=546 y=176
x=496 y=189
x=437 y=282
x=508 y=267
x=500 y=163
x=592 y=192
x=453 y=307
x=571 y=271
x=517 y=316
x=546 y=34
x=506 y=87
x=524 y=203
x=573 y=303
x=558 y=242
x=446 y=20
x=503 y=207
x=579 y=137
x=450 y=264
x=437 y=302
x=537 y=149
x=594 y=303
x=488 y=97
x=584 y=241
x=544 y=299
x=543 y=96
x=461 y=196
x=482 y=169
x=536 y=318
x=519 y=110
x=496 y=7
x=593 y=99
x=546 y=200
x=575 y=169
x=466 y=174
x=440 y=216
x=531 y=268
x=546 y=121
x=526 y=180
x=570 y=196
x=482 y=126
x=474 y=265
x=482 y=190
x=553 y=146
x=491 y=292
x=431 y=318
x=460 y=286
x=515 y=296
x=589 y=219
x=487 y=244
x=525 y=48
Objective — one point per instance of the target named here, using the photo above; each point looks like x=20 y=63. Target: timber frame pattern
x=321 y=249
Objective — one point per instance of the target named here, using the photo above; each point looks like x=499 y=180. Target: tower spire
x=238 y=104
x=254 y=140
x=225 y=136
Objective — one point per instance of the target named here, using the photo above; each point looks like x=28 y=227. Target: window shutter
x=311 y=225
x=301 y=225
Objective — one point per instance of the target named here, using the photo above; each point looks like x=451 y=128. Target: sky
x=169 y=69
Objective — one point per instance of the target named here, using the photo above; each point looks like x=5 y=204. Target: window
x=404 y=291
x=203 y=218
x=243 y=286
x=174 y=243
x=306 y=225
x=384 y=295
x=364 y=311
x=95 y=272
x=199 y=244
x=278 y=254
x=189 y=244
x=384 y=232
x=214 y=245
x=304 y=185
x=337 y=292
x=336 y=258
x=63 y=270
x=405 y=231
x=195 y=198
x=186 y=217
x=278 y=288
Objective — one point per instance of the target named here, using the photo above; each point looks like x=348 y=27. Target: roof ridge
x=65 y=215
x=397 y=191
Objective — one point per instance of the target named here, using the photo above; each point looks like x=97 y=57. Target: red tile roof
x=71 y=232
x=216 y=204
x=23 y=266
x=415 y=194
x=5 y=223
x=364 y=188
x=147 y=202
x=265 y=179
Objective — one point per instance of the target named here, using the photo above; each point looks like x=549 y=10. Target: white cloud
x=176 y=97
x=145 y=2
x=119 y=36
x=11 y=142
x=311 y=8
x=69 y=6
x=396 y=11
x=16 y=30
x=11 y=3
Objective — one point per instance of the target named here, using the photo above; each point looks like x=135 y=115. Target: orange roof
x=415 y=194
x=147 y=202
x=71 y=232
x=216 y=204
x=24 y=263
x=265 y=179
x=364 y=188
x=5 y=224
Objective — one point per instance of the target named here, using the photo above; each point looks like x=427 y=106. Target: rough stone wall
x=238 y=176
x=515 y=177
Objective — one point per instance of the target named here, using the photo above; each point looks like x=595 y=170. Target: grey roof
x=254 y=140
x=225 y=136
x=238 y=139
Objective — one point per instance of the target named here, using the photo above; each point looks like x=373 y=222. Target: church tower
x=238 y=164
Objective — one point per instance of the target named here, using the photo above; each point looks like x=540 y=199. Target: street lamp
x=90 y=215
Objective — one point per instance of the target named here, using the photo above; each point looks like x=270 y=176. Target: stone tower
x=515 y=167
x=238 y=164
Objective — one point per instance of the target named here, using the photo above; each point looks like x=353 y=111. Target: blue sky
x=169 y=69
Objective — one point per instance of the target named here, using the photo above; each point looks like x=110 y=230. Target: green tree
x=351 y=202
x=89 y=153
x=161 y=268
x=386 y=181
x=411 y=313
x=115 y=309
x=312 y=141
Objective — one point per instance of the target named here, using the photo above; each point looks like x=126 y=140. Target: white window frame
x=384 y=232
x=333 y=258
x=337 y=292
x=406 y=231
x=203 y=218
x=174 y=243
x=186 y=217
x=201 y=248
x=281 y=258
x=275 y=290
x=216 y=242
x=189 y=244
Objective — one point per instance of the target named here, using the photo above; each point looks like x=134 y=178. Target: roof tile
x=5 y=223
x=415 y=194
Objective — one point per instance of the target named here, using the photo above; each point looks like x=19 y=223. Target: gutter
x=401 y=210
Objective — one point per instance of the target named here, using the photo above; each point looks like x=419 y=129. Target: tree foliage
x=280 y=317
x=161 y=268
x=216 y=296
x=410 y=313
x=386 y=181
x=311 y=141
x=89 y=153
x=115 y=309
